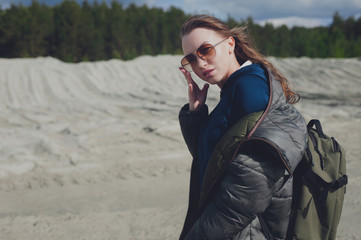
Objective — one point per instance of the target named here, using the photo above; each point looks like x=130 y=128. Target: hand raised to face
x=197 y=97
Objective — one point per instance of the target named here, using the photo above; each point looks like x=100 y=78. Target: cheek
x=197 y=72
x=225 y=59
x=224 y=56
x=220 y=62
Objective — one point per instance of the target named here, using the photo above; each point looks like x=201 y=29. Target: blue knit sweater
x=246 y=91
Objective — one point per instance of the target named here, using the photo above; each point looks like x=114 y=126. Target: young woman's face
x=216 y=69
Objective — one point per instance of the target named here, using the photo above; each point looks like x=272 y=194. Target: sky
x=308 y=13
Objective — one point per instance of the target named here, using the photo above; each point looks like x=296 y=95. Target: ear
x=232 y=44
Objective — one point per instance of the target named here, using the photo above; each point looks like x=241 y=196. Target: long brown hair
x=244 y=49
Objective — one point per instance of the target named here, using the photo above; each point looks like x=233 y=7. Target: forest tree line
x=75 y=32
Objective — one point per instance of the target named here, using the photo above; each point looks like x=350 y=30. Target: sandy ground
x=94 y=150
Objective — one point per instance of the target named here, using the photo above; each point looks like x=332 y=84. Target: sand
x=94 y=150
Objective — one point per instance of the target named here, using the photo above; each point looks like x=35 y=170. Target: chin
x=213 y=81
x=210 y=80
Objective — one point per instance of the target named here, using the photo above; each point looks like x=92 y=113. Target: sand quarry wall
x=94 y=150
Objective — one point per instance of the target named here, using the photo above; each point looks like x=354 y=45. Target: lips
x=206 y=73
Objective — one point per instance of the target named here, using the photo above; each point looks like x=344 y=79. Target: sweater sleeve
x=190 y=123
x=243 y=193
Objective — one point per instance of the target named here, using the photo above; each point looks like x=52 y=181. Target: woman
x=245 y=150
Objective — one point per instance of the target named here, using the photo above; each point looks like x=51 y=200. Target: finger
x=204 y=90
x=183 y=71
x=190 y=88
x=205 y=87
x=188 y=76
x=191 y=96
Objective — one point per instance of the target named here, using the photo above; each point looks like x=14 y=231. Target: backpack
x=318 y=188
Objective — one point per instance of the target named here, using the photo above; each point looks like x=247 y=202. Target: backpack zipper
x=336 y=146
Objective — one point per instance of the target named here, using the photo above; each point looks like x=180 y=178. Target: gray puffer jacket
x=247 y=187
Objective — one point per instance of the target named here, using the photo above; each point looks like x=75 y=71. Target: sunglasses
x=206 y=51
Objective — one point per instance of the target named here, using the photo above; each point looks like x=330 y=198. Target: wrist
x=185 y=110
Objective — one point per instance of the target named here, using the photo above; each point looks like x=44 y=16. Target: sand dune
x=94 y=150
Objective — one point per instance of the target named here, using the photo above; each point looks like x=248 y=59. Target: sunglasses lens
x=206 y=51
x=187 y=62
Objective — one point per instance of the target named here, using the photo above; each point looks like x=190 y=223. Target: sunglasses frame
x=196 y=53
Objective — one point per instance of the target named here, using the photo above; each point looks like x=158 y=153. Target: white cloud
x=5 y=4
x=190 y=2
x=356 y=3
x=297 y=21
x=149 y=2
x=276 y=9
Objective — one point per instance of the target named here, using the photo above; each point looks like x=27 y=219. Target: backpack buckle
x=339 y=183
